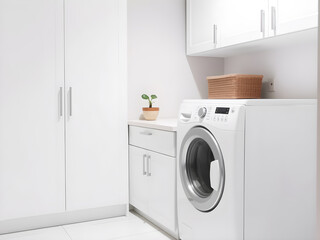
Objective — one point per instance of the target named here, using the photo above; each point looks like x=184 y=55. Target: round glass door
x=202 y=169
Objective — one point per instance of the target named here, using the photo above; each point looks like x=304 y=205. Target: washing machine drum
x=201 y=167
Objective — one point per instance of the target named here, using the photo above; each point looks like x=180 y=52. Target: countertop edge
x=161 y=124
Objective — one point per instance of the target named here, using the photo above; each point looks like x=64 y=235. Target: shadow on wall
x=201 y=68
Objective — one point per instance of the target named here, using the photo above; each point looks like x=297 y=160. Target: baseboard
x=51 y=220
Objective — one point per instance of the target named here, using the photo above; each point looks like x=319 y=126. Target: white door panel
x=139 y=182
x=97 y=129
x=202 y=15
x=292 y=16
x=32 y=169
x=162 y=189
x=241 y=21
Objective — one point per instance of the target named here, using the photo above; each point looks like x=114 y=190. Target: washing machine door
x=201 y=167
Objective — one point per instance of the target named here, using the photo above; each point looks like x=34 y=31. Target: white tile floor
x=130 y=227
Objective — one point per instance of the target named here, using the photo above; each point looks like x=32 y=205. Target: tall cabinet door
x=291 y=16
x=243 y=21
x=31 y=108
x=96 y=129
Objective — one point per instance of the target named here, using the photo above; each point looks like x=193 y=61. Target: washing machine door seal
x=202 y=171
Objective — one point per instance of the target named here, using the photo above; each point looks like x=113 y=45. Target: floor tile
x=147 y=236
x=108 y=229
x=55 y=233
x=129 y=227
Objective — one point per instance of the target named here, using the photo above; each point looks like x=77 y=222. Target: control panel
x=223 y=116
x=218 y=114
x=212 y=114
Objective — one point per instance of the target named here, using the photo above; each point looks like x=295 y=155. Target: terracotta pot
x=150 y=113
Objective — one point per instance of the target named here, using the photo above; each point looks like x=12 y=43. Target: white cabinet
x=31 y=122
x=162 y=187
x=63 y=114
x=215 y=24
x=152 y=185
x=139 y=184
x=96 y=113
x=202 y=24
x=153 y=180
x=291 y=16
x=242 y=21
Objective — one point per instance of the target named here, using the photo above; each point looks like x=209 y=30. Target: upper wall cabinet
x=202 y=24
x=242 y=21
x=215 y=25
x=291 y=16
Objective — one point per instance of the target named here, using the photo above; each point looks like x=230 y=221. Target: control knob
x=202 y=112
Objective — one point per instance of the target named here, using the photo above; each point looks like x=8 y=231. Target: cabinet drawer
x=154 y=140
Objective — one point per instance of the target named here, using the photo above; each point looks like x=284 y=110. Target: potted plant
x=150 y=113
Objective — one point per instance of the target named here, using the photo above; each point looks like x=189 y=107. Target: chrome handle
x=146 y=133
x=215 y=34
x=70 y=101
x=273 y=19
x=148 y=166
x=144 y=164
x=60 y=102
x=262 y=22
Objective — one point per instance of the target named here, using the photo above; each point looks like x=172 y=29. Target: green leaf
x=144 y=96
x=154 y=96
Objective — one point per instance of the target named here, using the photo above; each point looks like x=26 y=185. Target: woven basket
x=234 y=86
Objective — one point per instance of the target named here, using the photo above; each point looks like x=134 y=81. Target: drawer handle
x=146 y=133
x=144 y=172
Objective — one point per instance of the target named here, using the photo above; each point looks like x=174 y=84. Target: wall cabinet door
x=243 y=21
x=162 y=189
x=202 y=17
x=32 y=180
x=291 y=16
x=214 y=24
x=96 y=129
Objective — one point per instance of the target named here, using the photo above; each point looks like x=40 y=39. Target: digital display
x=221 y=110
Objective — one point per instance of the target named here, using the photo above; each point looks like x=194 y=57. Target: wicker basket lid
x=235 y=75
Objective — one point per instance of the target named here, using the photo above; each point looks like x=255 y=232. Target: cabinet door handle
x=148 y=166
x=215 y=34
x=60 y=102
x=144 y=164
x=70 y=101
x=262 y=22
x=274 y=20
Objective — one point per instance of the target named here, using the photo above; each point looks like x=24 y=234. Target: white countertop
x=166 y=124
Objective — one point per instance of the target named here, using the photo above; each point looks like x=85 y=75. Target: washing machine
x=247 y=169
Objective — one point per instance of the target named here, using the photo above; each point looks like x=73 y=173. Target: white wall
x=293 y=69
x=157 y=63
